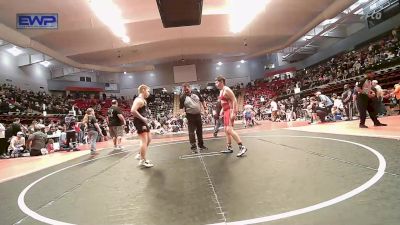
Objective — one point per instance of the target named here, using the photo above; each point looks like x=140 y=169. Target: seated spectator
x=3 y=142
x=317 y=110
x=17 y=145
x=37 y=141
x=63 y=139
x=337 y=113
x=325 y=100
x=50 y=146
x=337 y=101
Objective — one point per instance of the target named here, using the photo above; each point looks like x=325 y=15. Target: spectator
x=274 y=110
x=347 y=101
x=92 y=128
x=17 y=145
x=116 y=122
x=325 y=100
x=317 y=110
x=3 y=142
x=15 y=127
x=37 y=141
x=50 y=146
x=396 y=93
x=379 y=106
x=70 y=123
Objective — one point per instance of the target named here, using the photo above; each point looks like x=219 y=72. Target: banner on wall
x=111 y=87
x=185 y=73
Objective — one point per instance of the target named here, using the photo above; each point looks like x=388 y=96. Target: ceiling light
x=124 y=72
x=242 y=61
x=372 y=6
x=45 y=63
x=126 y=39
x=359 y=12
x=219 y=63
x=242 y=13
x=110 y=14
x=307 y=37
x=15 y=51
x=329 y=21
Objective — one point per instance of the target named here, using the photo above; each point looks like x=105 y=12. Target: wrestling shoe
x=228 y=149
x=145 y=163
x=242 y=151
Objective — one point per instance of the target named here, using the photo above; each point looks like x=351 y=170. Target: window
x=86 y=79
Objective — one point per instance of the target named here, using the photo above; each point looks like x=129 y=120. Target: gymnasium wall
x=206 y=71
x=33 y=77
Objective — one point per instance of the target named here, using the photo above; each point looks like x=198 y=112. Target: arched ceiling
x=82 y=38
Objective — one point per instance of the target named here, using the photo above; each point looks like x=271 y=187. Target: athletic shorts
x=116 y=131
x=227 y=118
x=141 y=127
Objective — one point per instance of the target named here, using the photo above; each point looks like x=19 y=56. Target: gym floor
x=287 y=177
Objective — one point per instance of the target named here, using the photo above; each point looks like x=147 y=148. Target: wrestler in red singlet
x=226 y=109
x=229 y=107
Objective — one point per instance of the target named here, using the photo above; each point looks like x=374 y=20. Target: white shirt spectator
x=378 y=88
x=2 y=131
x=274 y=106
x=338 y=103
x=248 y=107
x=15 y=142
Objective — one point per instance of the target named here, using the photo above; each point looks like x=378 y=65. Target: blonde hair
x=86 y=117
x=142 y=88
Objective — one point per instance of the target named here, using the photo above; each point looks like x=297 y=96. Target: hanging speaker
x=179 y=13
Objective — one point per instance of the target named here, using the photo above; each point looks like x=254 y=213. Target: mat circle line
x=380 y=172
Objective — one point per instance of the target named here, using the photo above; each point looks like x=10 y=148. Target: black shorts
x=140 y=126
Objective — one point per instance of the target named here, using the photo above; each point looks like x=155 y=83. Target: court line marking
x=197 y=155
x=212 y=187
x=395 y=137
x=333 y=158
x=380 y=172
x=21 y=198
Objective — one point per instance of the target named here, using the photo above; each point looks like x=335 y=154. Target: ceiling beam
x=19 y=39
x=330 y=12
x=326 y=29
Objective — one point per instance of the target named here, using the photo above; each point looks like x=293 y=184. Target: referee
x=192 y=104
x=365 y=98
